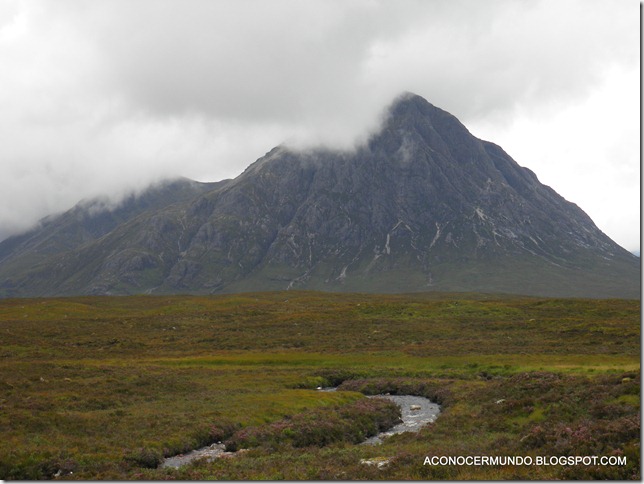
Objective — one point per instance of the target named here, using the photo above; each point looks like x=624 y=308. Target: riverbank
x=416 y=412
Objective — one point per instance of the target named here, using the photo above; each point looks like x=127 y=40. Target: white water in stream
x=416 y=412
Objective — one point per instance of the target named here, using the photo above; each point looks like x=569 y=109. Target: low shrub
x=334 y=377
x=36 y=467
x=352 y=423
x=435 y=391
x=212 y=433
x=145 y=457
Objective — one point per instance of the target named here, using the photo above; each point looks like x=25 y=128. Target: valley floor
x=106 y=387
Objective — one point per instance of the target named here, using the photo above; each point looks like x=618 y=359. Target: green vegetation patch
x=104 y=388
x=348 y=423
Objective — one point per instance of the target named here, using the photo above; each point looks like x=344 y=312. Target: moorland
x=106 y=387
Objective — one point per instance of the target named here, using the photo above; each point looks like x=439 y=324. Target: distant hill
x=422 y=206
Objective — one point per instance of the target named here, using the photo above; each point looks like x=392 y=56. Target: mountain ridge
x=422 y=205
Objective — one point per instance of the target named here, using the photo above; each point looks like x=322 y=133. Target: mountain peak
x=408 y=97
x=425 y=206
x=412 y=112
x=409 y=103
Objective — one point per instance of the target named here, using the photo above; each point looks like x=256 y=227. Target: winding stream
x=211 y=452
x=416 y=412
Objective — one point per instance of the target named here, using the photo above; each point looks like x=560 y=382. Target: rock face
x=422 y=206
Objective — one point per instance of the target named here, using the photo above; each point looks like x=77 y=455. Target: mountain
x=422 y=206
x=29 y=255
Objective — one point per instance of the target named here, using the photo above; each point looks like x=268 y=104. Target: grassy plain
x=104 y=387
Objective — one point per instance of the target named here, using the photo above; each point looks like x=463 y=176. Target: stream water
x=211 y=452
x=416 y=412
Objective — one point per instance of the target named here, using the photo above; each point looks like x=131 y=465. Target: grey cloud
x=119 y=93
x=317 y=65
x=245 y=59
x=291 y=60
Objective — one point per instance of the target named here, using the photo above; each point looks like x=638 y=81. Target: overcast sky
x=104 y=97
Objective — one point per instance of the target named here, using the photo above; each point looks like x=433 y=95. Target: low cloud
x=105 y=97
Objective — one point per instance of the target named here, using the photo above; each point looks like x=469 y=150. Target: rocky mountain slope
x=422 y=206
